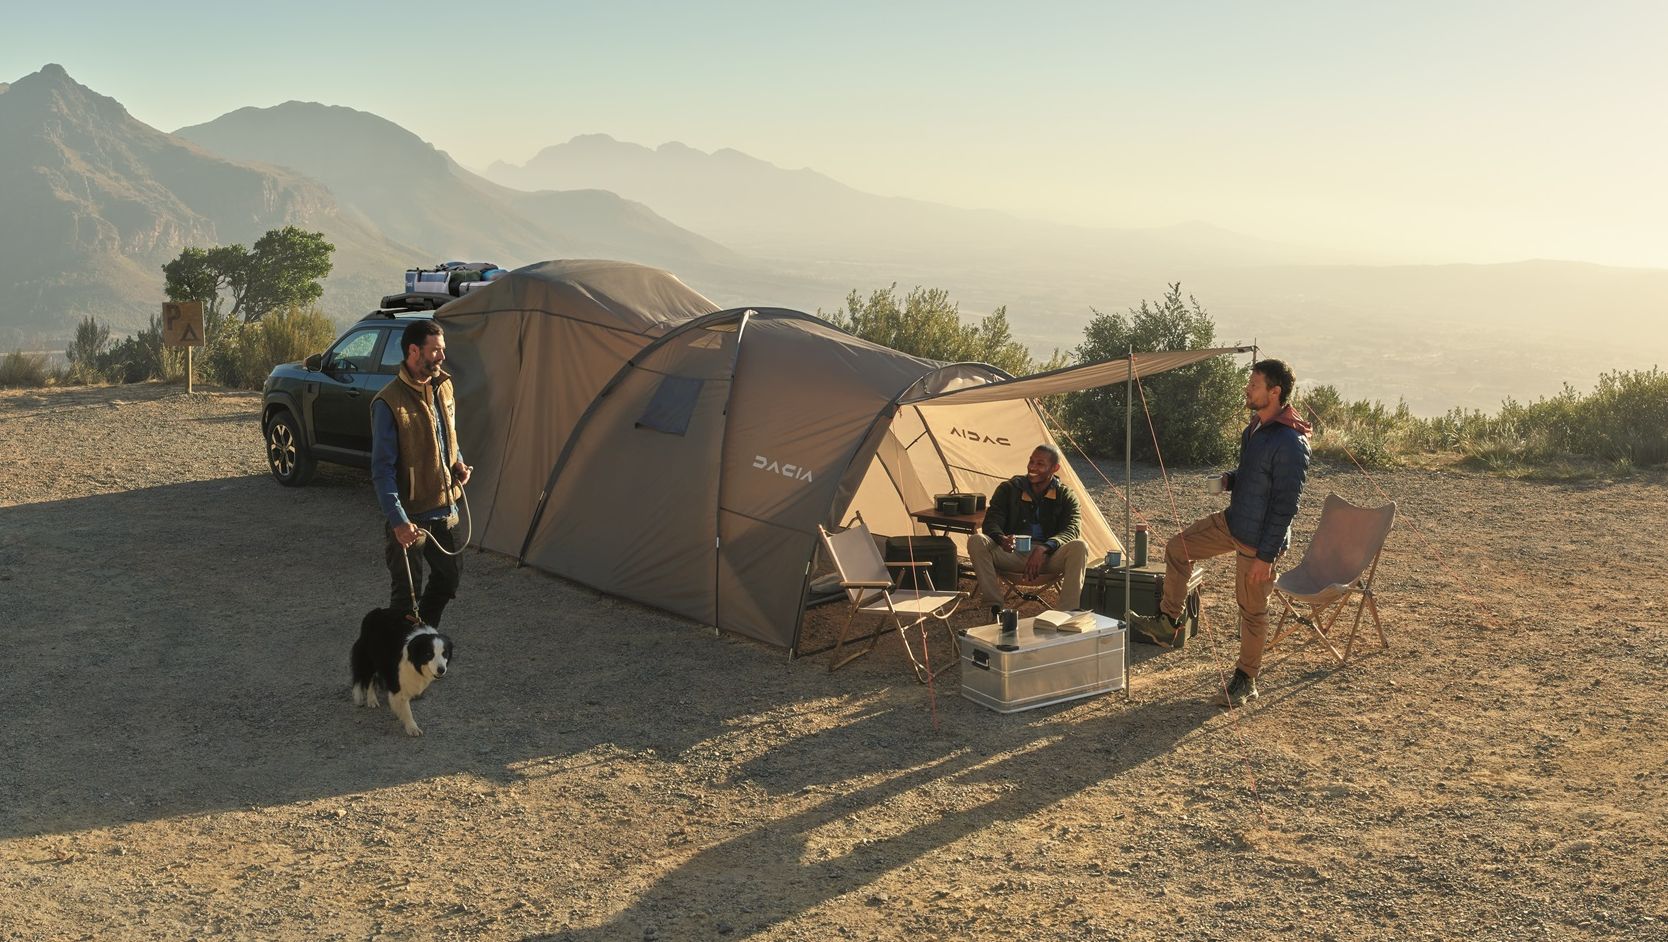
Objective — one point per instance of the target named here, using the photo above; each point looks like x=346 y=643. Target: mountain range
x=96 y=201
x=768 y=211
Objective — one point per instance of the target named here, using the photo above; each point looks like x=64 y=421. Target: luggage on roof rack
x=452 y=279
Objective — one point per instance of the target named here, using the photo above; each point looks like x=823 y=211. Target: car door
x=348 y=380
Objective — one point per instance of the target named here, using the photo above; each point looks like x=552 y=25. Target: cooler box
x=1103 y=591
x=938 y=550
x=422 y=281
x=1036 y=666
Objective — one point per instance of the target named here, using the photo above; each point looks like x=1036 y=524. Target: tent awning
x=1076 y=378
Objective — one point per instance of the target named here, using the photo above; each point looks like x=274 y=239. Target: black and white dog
x=400 y=656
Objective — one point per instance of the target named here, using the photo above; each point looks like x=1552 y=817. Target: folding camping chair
x=1339 y=562
x=869 y=586
x=1018 y=590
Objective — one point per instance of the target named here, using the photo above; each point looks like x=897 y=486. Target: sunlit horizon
x=1423 y=133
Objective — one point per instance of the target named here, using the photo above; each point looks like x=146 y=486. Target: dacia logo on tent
x=786 y=470
x=973 y=436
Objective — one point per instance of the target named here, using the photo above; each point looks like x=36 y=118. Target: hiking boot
x=1158 y=629
x=1240 y=689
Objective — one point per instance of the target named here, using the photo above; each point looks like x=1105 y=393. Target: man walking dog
x=1265 y=488
x=418 y=473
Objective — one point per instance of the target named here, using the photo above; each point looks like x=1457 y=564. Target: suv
x=320 y=409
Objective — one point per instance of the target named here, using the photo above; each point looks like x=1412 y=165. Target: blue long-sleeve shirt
x=385 y=457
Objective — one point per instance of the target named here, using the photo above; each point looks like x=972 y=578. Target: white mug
x=1022 y=543
x=1215 y=485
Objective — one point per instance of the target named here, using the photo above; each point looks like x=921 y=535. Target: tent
x=629 y=436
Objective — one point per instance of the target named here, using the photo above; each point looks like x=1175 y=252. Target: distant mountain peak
x=52 y=87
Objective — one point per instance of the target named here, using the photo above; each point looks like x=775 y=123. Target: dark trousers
x=443 y=574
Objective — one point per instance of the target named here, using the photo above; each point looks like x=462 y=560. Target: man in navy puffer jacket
x=1265 y=488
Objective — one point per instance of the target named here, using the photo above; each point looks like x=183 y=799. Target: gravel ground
x=182 y=760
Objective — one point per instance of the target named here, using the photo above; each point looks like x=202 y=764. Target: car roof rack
x=394 y=305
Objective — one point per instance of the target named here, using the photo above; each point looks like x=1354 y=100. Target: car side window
x=393 y=354
x=354 y=351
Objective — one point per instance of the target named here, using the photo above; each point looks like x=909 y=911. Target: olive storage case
x=1103 y=591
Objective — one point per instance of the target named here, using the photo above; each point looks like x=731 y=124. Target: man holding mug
x=1264 y=488
x=1031 y=527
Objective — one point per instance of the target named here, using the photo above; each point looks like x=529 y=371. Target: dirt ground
x=181 y=760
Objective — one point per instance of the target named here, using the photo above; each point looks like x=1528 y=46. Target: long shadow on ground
x=183 y=649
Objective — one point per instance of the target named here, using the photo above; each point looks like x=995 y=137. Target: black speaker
x=940 y=551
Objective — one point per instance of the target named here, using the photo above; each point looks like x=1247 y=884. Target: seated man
x=1036 y=504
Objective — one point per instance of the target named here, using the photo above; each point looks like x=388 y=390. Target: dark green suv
x=320 y=409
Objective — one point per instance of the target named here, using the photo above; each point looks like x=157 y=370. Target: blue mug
x=1114 y=560
x=1022 y=543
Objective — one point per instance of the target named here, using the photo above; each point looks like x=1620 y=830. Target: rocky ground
x=181 y=759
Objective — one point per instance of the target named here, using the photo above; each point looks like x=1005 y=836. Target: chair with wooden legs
x=1338 y=565
x=1018 y=591
x=869 y=585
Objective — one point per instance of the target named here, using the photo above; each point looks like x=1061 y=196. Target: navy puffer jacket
x=1273 y=464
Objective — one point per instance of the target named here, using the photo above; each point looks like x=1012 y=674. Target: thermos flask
x=1140 y=545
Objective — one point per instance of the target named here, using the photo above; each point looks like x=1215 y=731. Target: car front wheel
x=286 y=452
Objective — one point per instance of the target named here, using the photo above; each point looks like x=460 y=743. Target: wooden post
x=182 y=326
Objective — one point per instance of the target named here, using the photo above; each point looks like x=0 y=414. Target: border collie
x=400 y=656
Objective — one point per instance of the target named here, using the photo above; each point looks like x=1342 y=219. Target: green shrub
x=142 y=357
x=1196 y=411
x=926 y=323
x=86 y=352
x=241 y=355
x=26 y=370
x=1621 y=425
x=1626 y=418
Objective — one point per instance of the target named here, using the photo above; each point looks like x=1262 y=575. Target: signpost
x=182 y=326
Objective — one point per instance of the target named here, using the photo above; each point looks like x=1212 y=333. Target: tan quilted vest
x=422 y=473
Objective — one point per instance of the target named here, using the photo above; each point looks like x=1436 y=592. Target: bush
x=241 y=355
x=1370 y=433
x=26 y=370
x=1623 y=423
x=142 y=357
x=86 y=350
x=1195 y=411
x=928 y=324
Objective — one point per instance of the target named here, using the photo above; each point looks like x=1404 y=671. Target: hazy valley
x=99 y=201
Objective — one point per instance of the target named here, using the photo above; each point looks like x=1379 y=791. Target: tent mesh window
x=672 y=406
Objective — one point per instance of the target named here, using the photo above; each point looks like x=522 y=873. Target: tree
x=282 y=270
x=926 y=323
x=1195 y=410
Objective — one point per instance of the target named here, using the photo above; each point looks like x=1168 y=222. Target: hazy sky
x=1442 y=131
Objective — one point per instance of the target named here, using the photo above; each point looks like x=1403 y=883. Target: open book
x=1080 y=620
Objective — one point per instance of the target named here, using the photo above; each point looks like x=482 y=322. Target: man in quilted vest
x=1256 y=527
x=418 y=473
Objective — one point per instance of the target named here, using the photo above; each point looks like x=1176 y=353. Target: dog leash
x=405 y=551
x=468 y=533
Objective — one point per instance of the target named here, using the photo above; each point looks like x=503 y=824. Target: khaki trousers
x=988 y=556
x=1204 y=539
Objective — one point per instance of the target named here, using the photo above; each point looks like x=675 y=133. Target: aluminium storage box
x=1037 y=666
x=1103 y=591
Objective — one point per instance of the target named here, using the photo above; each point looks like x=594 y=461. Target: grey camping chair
x=1338 y=565
x=868 y=584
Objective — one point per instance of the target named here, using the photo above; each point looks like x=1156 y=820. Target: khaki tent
x=631 y=437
